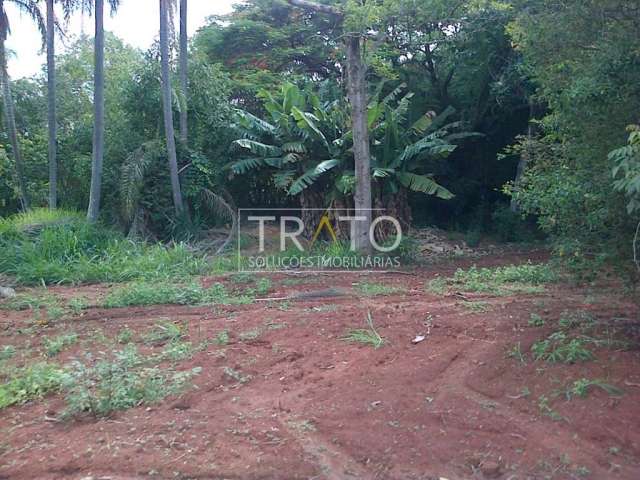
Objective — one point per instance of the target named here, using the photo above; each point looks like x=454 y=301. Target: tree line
x=491 y=117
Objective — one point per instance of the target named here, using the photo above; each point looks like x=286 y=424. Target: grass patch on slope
x=62 y=248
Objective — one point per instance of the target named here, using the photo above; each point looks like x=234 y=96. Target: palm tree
x=184 y=74
x=30 y=7
x=98 y=106
x=165 y=7
x=51 y=110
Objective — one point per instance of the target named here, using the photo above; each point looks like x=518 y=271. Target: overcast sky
x=136 y=23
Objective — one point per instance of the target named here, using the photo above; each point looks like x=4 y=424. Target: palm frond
x=32 y=9
x=133 y=171
x=221 y=209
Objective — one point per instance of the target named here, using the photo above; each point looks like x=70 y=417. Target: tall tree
x=357 y=94
x=30 y=7
x=98 y=107
x=165 y=6
x=98 y=115
x=184 y=73
x=51 y=111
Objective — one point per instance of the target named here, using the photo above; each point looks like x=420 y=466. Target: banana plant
x=402 y=150
x=301 y=140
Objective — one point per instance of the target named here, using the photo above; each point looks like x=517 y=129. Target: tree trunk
x=184 y=74
x=98 y=116
x=10 y=118
x=51 y=94
x=310 y=203
x=168 y=107
x=357 y=92
x=525 y=157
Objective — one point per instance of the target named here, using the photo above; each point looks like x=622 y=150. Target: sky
x=136 y=22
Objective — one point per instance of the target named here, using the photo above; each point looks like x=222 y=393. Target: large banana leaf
x=258 y=148
x=243 y=166
x=424 y=184
x=310 y=176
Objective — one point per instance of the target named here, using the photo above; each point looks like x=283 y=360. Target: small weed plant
x=368 y=336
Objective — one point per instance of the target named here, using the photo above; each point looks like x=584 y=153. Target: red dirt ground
x=454 y=406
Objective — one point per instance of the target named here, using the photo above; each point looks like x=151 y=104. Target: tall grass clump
x=61 y=247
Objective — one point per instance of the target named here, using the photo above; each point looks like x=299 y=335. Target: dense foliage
x=469 y=105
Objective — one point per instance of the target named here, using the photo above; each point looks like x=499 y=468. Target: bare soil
x=455 y=405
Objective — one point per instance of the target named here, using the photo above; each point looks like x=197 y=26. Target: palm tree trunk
x=51 y=93
x=10 y=118
x=357 y=92
x=98 y=113
x=184 y=74
x=168 y=108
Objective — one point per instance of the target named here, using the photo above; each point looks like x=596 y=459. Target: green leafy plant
x=53 y=346
x=536 y=320
x=119 y=383
x=164 y=332
x=124 y=336
x=28 y=383
x=526 y=278
x=561 y=348
x=580 y=388
x=222 y=338
x=7 y=352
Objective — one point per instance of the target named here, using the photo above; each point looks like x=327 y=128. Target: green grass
x=376 y=289
x=368 y=336
x=524 y=279
x=164 y=293
x=61 y=247
x=477 y=307
x=437 y=286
